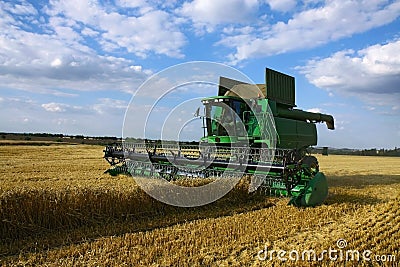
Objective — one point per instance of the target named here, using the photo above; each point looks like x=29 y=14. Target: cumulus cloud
x=83 y=54
x=315 y=110
x=312 y=27
x=109 y=105
x=54 y=107
x=62 y=51
x=282 y=5
x=372 y=74
x=59 y=117
x=206 y=14
x=52 y=64
x=143 y=32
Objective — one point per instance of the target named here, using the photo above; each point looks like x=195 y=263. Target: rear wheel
x=312 y=163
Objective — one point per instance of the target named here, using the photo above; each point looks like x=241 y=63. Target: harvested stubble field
x=57 y=208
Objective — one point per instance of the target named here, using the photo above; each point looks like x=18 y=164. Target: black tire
x=311 y=162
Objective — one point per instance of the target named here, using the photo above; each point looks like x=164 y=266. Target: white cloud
x=152 y=32
x=55 y=117
x=372 y=74
x=41 y=63
x=131 y=3
x=313 y=27
x=19 y=9
x=62 y=51
x=108 y=105
x=341 y=124
x=282 y=5
x=315 y=110
x=62 y=48
x=54 y=107
x=56 y=62
x=136 y=68
x=149 y=31
x=209 y=13
x=89 y=32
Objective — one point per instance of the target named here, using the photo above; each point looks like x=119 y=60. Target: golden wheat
x=58 y=207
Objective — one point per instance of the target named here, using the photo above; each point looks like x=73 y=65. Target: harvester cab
x=248 y=129
x=223 y=120
x=254 y=106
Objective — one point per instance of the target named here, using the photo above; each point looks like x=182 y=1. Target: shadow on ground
x=361 y=181
x=361 y=189
x=338 y=198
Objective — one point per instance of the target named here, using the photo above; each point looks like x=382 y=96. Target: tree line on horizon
x=317 y=150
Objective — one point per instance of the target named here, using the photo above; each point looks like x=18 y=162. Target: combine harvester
x=248 y=130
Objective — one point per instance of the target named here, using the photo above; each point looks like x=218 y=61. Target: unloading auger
x=250 y=130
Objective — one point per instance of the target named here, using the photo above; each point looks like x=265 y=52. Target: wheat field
x=57 y=208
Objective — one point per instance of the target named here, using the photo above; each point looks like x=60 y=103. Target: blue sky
x=72 y=66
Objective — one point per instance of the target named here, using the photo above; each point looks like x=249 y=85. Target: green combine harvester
x=248 y=129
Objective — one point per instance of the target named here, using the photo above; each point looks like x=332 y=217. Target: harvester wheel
x=313 y=194
x=312 y=163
